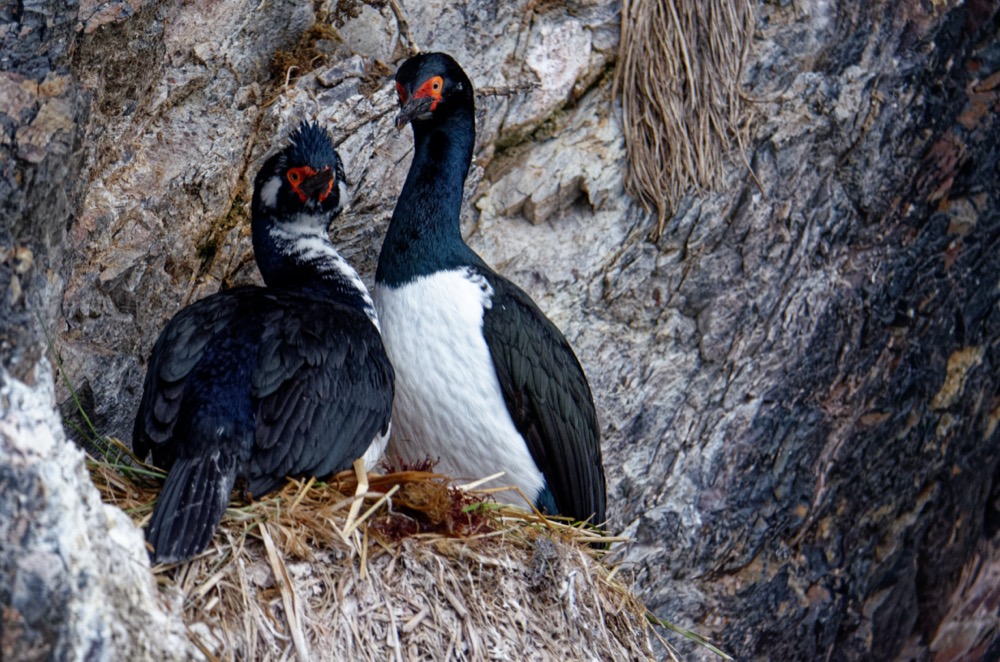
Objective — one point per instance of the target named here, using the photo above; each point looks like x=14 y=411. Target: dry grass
x=397 y=566
x=678 y=78
x=308 y=53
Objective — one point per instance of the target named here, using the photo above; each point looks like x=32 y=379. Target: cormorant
x=254 y=384
x=484 y=381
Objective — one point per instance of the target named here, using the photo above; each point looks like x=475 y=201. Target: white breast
x=448 y=403
x=376 y=449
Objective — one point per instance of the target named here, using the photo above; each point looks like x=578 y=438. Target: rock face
x=797 y=381
x=74 y=574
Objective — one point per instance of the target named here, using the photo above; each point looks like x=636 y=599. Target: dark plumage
x=255 y=384
x=485 y=382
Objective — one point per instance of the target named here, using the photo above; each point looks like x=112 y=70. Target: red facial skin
x=431 y=88
x=298 y=175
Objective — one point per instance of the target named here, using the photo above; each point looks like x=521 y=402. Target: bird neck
x=300 y=257
x=424 y=235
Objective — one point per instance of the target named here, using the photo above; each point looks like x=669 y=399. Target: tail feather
x=191 y=506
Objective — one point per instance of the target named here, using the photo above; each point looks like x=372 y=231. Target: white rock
x=558 y=55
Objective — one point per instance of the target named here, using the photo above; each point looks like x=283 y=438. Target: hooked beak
x=317 y=185
x=415 y=108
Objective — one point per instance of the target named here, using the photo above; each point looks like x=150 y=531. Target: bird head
x=429 y=86
x=304 y=182
x=297 y=194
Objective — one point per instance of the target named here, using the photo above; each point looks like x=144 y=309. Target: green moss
x=207 y=250
x=208 y=245
x=554 y=122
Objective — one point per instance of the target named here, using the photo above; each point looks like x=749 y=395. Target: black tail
x=191 y=506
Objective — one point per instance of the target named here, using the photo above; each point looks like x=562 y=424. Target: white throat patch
x=305 y=237
x=269 y=193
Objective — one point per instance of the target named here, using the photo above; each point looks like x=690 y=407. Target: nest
x=402 y=566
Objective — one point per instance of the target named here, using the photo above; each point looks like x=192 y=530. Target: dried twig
x=454 y=580
x=678 y=78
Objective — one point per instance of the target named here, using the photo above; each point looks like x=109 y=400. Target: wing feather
x=179 y=347
x=321 y=384
x=323 y=396
x=549 y=399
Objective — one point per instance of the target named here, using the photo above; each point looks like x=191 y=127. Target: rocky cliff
x=797 y=379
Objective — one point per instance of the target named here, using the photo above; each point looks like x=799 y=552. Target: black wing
x=549 y=399
x=294 y=385
x=323 y=388
x=181 y=344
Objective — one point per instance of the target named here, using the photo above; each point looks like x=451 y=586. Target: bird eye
x=431 y=88
x=298 y=177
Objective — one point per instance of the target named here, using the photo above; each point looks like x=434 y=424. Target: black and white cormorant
x=254 y=384
x=484 y=381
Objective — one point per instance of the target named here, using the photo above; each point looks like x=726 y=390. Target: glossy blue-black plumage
x=424 y=235
x=549 y=400
x=255 y=384
x=543 y=385
x=309 y=145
